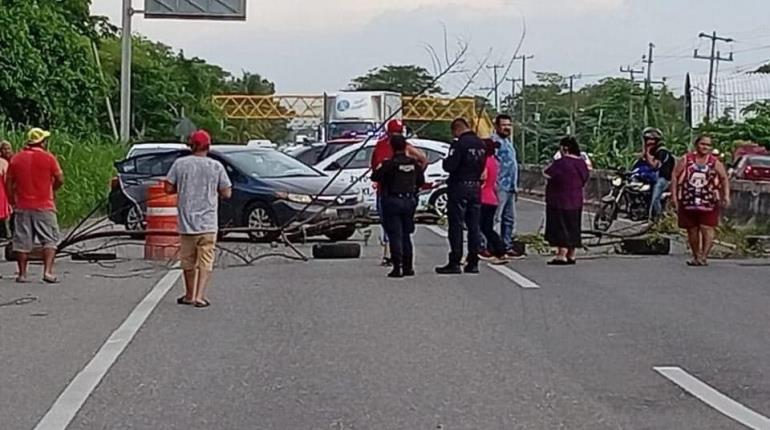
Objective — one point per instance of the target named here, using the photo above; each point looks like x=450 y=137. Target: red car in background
x=752 y=168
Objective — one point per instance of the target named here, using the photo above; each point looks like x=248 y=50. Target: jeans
x=506 y=216
x=660 y=187
x=383 y=234
x=494 y=243
x=464 y=206
x=399 y=225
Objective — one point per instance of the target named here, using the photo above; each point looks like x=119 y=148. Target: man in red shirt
x=384 y=151
x=33 y=177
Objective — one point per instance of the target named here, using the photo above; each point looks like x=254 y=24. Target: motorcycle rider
x=661 y=159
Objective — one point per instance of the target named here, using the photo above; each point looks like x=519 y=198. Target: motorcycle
x=629 y=195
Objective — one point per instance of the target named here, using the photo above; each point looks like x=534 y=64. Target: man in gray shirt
x=199 y=181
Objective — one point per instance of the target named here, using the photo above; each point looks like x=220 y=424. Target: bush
x=88 y=167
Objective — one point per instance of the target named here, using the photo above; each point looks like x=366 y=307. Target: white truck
x=352 y=114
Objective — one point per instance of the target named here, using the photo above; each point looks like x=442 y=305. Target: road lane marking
x=69 y=402
x=514 y=276
x=714 y=398
x=437 y=230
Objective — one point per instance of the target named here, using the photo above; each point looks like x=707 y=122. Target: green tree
x=408 y=80
x=47 y=73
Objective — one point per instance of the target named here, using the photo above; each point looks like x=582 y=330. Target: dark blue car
x=269 y=189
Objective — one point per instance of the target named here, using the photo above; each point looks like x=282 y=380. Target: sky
x=312 y=46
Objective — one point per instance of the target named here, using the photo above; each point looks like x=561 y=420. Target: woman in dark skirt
x=564 y=202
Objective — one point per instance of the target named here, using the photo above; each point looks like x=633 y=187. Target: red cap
x=200 y=140
x=395 y=126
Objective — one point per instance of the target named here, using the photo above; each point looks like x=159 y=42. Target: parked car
x=307 y=154
x=269 y=189
x=752 y=168
x=433 y=194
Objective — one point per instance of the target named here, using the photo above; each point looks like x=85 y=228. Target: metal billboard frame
x=220 y=10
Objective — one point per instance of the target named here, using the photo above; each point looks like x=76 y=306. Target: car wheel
x=135 y=221
x=341 y=234
x=261 y=216
x=438 y=201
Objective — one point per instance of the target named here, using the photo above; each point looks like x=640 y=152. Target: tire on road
x=645 y=246
x=333 y=251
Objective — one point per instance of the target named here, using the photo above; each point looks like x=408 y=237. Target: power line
x=713 y=58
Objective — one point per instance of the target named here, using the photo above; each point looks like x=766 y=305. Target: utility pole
x=496 y=84
x=648 y=83
x=632 y=77
x=125 y=73
x=513 y=93
x=713 y=58
x=523 y=59
x=536 y=119
x=572 y=106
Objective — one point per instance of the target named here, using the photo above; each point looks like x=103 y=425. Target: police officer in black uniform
x=399 y=179
x=465 y=164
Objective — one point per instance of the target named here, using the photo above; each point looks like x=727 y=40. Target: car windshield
x=349 y=129
x=759 y=161
x=331 y=149
x=270 y=164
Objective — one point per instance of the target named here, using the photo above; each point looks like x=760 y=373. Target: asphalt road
x=336 y=345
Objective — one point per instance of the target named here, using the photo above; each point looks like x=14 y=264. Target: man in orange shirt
x=33 y=177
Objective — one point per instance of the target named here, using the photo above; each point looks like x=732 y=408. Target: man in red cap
x=199 y=181
x=384 y=151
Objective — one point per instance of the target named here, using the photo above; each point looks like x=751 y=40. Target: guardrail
x=750 y=200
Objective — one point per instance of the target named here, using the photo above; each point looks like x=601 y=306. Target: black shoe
x=386 y=262
x=449 y=269
x=471 y=268
x=408 y=271
x=396 y=272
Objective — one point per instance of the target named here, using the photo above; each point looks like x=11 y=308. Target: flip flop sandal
x=693 y=263
x=53 y=280
x=182 y=301
x=203 y=304
x=22 y=281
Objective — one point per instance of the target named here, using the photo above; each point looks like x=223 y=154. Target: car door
x=231 y=210
x=355 y=164
x=136 y=174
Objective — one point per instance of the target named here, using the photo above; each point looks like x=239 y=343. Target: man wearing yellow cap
x=33 y=177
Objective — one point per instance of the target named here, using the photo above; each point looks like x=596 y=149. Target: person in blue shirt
x=507 y=181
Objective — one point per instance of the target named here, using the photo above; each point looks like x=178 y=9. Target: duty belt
x=466 y=183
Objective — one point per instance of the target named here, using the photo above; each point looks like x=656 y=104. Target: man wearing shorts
x=33 y=177
x=199 y=181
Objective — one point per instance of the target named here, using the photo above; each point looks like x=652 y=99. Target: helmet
x=652 y=133
x=394 y=126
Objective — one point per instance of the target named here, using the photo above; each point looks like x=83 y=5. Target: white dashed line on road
x=514 y=276
x=714 y=398
x=76 y=393
x=511 y=274
x=437 y=230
